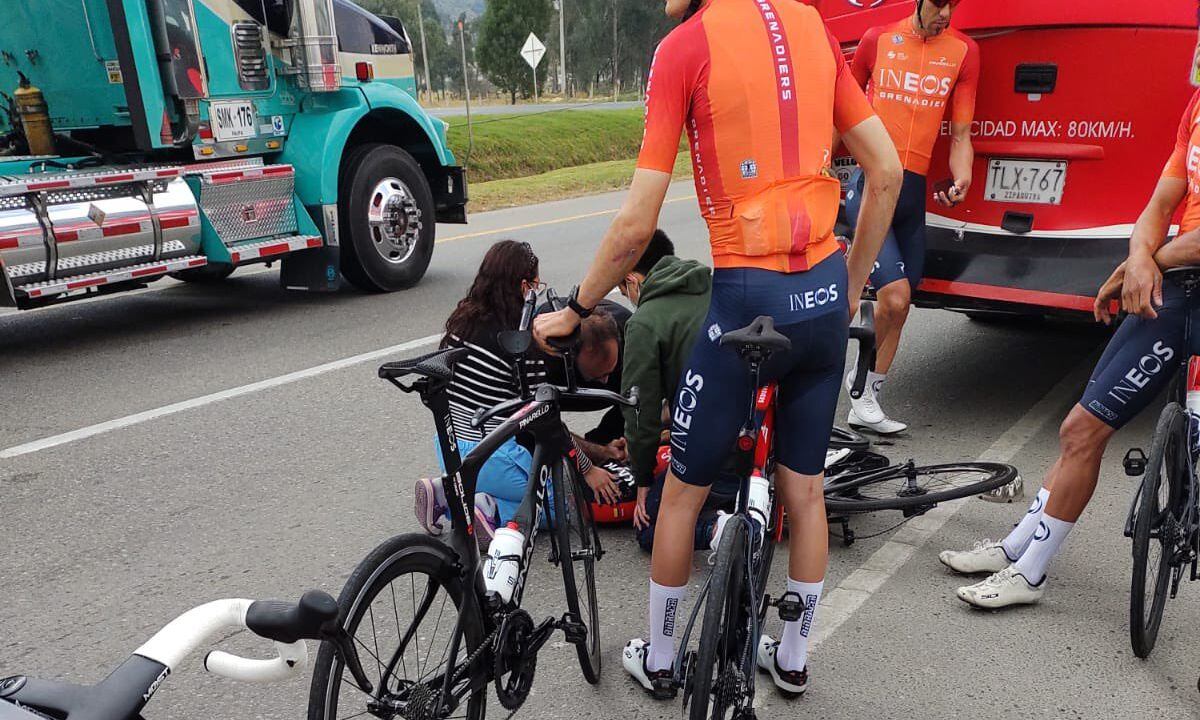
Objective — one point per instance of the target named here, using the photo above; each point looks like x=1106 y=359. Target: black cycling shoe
x=659 y=683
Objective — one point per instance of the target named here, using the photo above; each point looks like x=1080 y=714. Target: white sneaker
x=866 y=408
x=722 y=518
x=884 y=426
x=1007 y=587
x=986 y=556
x=790 y=683
x=833 y=457
x=658 y=683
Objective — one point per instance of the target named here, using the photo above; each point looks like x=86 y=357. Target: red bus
x=1091 y=88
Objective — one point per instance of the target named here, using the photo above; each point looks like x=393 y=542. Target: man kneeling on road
x=1152 y=338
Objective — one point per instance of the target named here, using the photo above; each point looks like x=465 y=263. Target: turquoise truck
x=147 y=138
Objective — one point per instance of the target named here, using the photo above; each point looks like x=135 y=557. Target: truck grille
x=251 y=56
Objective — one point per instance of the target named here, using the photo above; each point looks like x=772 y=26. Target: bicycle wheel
x=719 y=668
x=842 y=438
x=400 y=606
x=908 y=486
x=1152 y=537
x=577 y=548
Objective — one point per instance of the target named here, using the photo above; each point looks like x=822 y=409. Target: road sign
x=533 y=51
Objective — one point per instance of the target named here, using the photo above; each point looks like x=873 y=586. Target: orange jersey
x=910 y=80
x=760 y=86
x=1185 y=163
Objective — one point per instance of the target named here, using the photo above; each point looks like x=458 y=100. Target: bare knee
x=894 y=300
x=800 y=491
x=1082 y=434
x=680 y=497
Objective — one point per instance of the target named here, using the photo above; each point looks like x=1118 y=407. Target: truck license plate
x=1026 y=181
x=232 y=120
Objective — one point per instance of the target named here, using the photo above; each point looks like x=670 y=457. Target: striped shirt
x=483 y=379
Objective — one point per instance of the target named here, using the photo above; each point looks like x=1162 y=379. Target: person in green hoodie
x=671 y=296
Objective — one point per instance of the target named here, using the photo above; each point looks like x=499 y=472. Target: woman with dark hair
x=483 y=379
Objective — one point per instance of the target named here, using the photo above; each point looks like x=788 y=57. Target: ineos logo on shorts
x=685 y=404
x=813 y=298
x=1138 y=377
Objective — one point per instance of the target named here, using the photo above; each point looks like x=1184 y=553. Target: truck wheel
x=206 y=274
x=386 y=212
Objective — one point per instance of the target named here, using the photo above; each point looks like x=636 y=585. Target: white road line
x=842 y=602
x=147 y=415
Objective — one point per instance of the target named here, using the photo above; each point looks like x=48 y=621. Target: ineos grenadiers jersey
x=911 y=80
x=1185 y=163
x=759 y=86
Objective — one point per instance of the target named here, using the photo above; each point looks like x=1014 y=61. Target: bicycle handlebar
x=865 y=336
x=482 y=415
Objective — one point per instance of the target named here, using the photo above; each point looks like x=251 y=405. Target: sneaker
x=1007 y=587
x=833 y=457
x=487 y=517
x=431 y=513
x=883 y=426
x=791 y=683
x=866 y=407
x=718 y=527
x=660 y=683
x=986 y=556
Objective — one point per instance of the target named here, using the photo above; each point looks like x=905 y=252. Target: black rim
x=1154 y=530
x=577 y=548
x=907 y=486
x=720 y=680
x=402 y=621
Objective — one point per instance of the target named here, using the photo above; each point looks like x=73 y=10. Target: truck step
x=141 y=271
x=263 y=249
x=11 y=185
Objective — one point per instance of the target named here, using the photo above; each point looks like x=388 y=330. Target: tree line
x=609 y=45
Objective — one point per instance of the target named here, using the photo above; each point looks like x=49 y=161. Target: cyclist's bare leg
x=891 y=312
x=804 y=498
x=1082 y=441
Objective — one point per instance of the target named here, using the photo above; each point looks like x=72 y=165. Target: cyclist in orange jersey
x=913 y=71
x=759 y=86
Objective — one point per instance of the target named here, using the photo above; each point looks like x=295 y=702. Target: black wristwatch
x=573 y=303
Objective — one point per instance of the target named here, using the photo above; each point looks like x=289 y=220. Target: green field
x=515 y=146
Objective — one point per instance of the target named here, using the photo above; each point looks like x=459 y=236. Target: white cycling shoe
x=1007 y=587
x=658 y=683
x=790 y=683
x=986 y=556
x=885 y=426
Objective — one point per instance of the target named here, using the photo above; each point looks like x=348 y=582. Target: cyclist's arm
x=962 y=114
x=872 y=147
x=1180 y=252
x=962 y=155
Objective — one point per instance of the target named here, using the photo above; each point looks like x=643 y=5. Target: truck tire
x=206 y=274
x=385 y=211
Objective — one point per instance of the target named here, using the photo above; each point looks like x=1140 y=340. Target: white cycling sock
x=1047 y=539
x=666 y=612
x=1018 y=540
x=793 y=646
x=875 y=382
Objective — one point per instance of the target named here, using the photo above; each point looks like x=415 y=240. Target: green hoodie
x=658 y=341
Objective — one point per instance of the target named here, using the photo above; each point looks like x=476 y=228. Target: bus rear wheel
x=385 y=211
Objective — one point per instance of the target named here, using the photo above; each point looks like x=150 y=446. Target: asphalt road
x=529 y=108
x=266 y=490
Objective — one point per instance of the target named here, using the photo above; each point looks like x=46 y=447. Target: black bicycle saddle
x=758 y=335
x=438 y=365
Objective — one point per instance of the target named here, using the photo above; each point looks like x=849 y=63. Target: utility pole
x=562 y=47
x=614 y=50
x=424 y=55
x=462 y=38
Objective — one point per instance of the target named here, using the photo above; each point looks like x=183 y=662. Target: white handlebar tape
x=187 y=632
x=293 y=658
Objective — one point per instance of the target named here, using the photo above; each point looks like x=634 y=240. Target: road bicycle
x=718 y=678
x=395 y=602
x=126 y=691
x=1164 y=518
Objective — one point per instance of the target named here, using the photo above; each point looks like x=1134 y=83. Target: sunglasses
x=939 y=4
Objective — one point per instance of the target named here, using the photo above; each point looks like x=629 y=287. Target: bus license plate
x=1026 y=181
x=232 y=120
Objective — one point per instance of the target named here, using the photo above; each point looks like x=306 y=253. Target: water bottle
x=759 y=502
x=503 y=563
x=1193 y=386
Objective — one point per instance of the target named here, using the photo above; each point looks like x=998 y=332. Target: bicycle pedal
x=791 y=607
x=1135 y=462
x=573 y=631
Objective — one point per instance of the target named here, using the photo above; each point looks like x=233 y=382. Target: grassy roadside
x=560 y=184
x=516 y=146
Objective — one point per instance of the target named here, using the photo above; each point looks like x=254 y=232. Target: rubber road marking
x=148 y=415
x=842 y=602
x=552 y=221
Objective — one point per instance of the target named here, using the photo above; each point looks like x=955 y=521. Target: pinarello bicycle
x=1164 y=518
x=718 y=679
x=423 y=611
x=126 y=691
